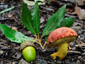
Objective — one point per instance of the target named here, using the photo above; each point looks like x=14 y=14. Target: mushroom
x=60 y=38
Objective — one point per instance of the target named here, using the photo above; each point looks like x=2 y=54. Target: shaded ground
x=9 y=51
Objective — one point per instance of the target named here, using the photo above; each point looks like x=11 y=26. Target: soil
x=10 y=52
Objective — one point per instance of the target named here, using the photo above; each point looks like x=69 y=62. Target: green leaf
x=54 y=21
x=14 y=36
x=46 y=38
x=27 y=18
x=67 y=22
x=36 y=18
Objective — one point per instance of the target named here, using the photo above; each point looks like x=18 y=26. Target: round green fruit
x=29 y=53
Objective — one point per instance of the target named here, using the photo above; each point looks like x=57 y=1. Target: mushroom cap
x=61 y=35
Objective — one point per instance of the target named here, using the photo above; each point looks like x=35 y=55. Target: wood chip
x=13 y=63
x=74 y=52
x=14 y=28
x=76 y=27
x=10 y=16
x=81 y=45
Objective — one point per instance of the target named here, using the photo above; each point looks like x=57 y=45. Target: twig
x=8 y=9
x=15 y=20
x=74 y=52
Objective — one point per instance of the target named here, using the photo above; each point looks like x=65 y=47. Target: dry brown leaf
x=80 y=2
x=80 y=12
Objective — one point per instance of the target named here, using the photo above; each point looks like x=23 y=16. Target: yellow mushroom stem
x=62 y=51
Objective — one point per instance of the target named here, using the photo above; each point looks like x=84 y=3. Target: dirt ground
x=9 y=51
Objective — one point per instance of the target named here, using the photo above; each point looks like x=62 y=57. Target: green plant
x=32 y=23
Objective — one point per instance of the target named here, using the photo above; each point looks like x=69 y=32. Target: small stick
x=8 y=9
x=15 y=20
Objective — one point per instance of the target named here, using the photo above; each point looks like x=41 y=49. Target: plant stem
x=44 y=45
x=38 y=40
x=38 y=36
x=35 y=36
x=40 y=43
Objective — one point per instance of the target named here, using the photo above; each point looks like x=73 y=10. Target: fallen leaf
x=31 y=3
x=80 y=12
x=42 y=20
x=80 y=2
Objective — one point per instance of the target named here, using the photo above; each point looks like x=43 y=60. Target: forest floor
x=9 y=51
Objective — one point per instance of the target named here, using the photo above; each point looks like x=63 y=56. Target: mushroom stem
x=62 y=51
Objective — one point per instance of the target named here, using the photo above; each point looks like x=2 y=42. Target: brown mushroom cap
x=61 y=35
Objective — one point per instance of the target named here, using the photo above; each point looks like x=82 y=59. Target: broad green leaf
x=67 y=22
x=54 y=21
x=27 y=18
x=14 y=36
x=36 y=18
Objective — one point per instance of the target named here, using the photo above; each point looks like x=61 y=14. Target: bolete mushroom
x=60 y=38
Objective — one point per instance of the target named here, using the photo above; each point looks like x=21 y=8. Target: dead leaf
x=80 y=12
x=80 y=2
x=31 y=3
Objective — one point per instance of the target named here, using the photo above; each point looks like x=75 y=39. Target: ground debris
x=8 y=9
x=2 y=47
x=74 y=52
x=80 y=12
x=14 y=28
x=80 y=2
x=10 y=52
x=1 y=20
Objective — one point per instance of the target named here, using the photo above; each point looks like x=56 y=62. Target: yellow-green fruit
x=29 y=53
